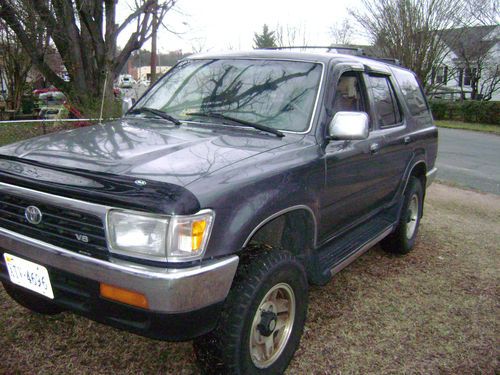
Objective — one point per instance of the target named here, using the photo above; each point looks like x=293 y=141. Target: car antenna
x=103 y=96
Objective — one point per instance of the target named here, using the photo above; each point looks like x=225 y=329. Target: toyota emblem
x=33 y=214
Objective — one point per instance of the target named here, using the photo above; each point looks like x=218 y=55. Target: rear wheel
x=263 y=318
x=402 y=240
x=31 y=301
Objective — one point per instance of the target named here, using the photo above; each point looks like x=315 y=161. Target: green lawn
x=486 y=128
x=13 y=132
x=10 y=133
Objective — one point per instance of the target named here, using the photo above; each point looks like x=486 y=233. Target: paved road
x=469 y=159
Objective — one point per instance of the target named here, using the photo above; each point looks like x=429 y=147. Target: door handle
x=407 y=140
x=374 y=148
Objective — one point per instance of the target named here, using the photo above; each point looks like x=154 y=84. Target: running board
x=337 y=254
x=339 y=267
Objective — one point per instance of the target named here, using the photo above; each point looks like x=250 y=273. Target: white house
x=471 y=68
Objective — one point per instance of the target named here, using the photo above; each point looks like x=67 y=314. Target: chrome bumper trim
x=167 y=290
x=431 y=176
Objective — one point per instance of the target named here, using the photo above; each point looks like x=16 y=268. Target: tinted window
x=411 y=92
x=279 y=94
x=386 y=105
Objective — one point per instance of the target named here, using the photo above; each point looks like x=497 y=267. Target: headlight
x=161 y=238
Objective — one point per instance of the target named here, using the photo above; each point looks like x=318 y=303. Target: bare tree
x=409 y=30
x=199 y=45
x=342 y=32
x=290 y=35
x=482 y=12
x=85 y=33
x=15 y=64
x=490 y=82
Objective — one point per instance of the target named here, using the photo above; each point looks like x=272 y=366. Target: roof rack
x=387 y=60
x=355 y=51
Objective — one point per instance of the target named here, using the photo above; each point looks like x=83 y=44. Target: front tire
x=263 y=318
x=31 y=301
x=402 y=240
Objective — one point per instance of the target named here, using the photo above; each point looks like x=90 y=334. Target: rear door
x=391 y=127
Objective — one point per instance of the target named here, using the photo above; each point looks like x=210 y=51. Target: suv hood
x=149 y=149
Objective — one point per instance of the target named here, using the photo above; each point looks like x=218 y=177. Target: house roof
x=471 y=42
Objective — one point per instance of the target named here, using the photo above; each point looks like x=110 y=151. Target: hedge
x=468 y=111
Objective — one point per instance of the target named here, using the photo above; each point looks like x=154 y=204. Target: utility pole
x=153 y=41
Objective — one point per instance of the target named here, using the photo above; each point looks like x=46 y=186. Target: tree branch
x=8 y=13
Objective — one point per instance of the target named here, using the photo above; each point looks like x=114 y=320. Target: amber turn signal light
x=123 y=295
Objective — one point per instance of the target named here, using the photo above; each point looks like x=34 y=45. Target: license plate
x=29 y=275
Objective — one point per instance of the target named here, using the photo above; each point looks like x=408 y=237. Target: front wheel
x=402 y=240
x=263 y=318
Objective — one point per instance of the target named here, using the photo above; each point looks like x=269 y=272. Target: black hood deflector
x=98 y=187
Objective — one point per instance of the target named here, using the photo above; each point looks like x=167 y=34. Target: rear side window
x=386 y=104
x=411 y=92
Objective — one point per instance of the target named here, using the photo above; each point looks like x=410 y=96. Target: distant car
x=51 y=98
x=44 y=90
x=126 y=81
x=54 y=112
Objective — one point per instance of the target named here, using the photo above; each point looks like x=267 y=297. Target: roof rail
x=387 y=60
x=356 y=51
x=333 y=48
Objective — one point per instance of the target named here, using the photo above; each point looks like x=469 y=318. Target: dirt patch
x=433 y=311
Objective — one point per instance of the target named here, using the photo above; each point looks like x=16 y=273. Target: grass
x=485 y=128
x=10 y=133
x=14 y=132
x=434 y=311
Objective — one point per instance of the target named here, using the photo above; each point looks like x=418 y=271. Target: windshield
x=277 y=94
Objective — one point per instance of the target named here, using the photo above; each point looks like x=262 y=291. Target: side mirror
x=348 y=126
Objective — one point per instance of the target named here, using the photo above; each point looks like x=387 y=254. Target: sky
x=220 y=25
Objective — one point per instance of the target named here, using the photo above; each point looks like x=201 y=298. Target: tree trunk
x=85 y=34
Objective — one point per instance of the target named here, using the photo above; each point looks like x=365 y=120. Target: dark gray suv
x=235 y=182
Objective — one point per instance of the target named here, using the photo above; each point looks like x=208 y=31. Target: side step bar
x=351 y=258
x=337 y=254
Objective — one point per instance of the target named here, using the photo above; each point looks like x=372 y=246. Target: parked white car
x=126 y=81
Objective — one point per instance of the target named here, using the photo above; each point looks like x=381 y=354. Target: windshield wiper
x=157 y=112
x=238 y=121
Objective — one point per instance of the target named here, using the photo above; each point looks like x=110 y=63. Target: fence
x=17 y=130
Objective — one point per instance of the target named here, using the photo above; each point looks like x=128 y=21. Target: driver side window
x=348 y=95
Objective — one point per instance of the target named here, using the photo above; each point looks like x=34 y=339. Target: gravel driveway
x=434 y=311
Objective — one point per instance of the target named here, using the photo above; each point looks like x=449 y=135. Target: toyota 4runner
x=206 y=211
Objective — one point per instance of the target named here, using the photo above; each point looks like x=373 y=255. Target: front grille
x=60 y=226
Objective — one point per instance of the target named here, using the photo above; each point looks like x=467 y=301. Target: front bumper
x=169 y=291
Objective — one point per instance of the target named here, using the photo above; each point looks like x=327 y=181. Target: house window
x=468 y=74
x=442 y=75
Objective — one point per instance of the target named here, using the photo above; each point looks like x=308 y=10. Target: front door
x=354 y=169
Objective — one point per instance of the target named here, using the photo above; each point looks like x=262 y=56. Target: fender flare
x=283 y=212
